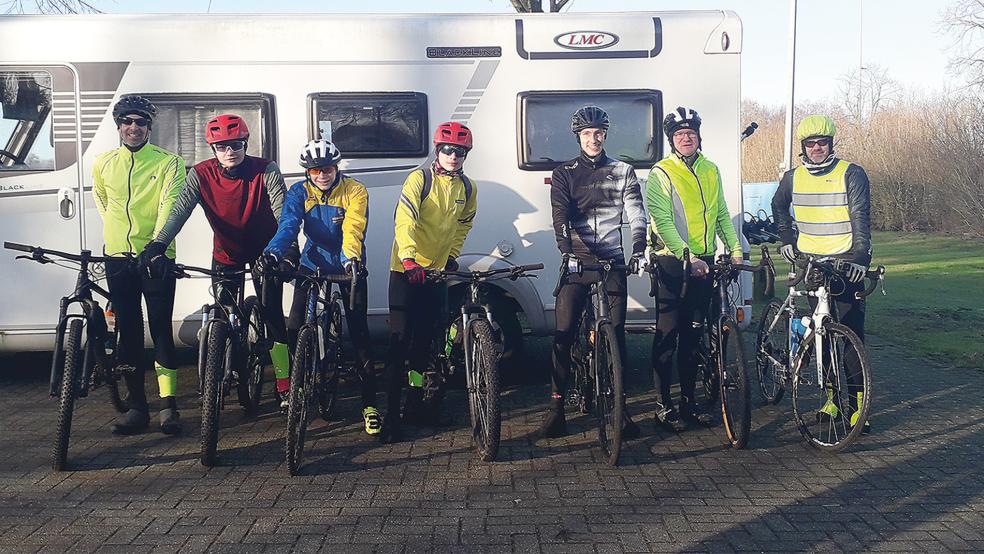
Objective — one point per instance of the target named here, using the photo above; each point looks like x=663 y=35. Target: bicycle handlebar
x=38 y=253
x=514 y=272
x=876 y=276
x=350 y=279
x=603 y=266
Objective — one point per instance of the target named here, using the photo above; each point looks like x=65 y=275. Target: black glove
x=149 y=261
x=267 y=262
x=854 y=273
x=451 y=265
x=636 y=263
x=287 y=265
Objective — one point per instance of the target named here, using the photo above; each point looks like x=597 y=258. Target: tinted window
x=367 y=125
x=180 y=123
x=25 y=121
x=545 y=120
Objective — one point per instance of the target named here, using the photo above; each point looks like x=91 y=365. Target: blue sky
x=902 y=37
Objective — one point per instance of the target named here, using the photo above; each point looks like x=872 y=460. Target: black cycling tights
x=126 y=286
x=571 y=302
x=358 y=329
x=674 y=324
x=417 y=317
x=273 y=310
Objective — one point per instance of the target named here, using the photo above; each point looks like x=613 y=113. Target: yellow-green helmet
x=815 y=126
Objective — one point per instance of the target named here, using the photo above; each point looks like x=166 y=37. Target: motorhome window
x=372 y=125
x=180 y=123
x=545 y=126
x=26 y=142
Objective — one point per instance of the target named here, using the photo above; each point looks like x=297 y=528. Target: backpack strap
x=429 y=177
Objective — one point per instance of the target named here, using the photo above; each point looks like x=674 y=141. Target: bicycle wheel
x=216 y=355
x=110 y=372
x=301 y=383
x=71 y=369
x=832 y=406
x=707 y=374
x=483 y=393
x=736 y=404
x=250 y=387
x=772 y=352
x=608 y=397
x=331 y=366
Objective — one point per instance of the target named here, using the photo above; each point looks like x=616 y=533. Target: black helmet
x=680 y=118
x=319 y=153
x=589 y=117
x=133 y=104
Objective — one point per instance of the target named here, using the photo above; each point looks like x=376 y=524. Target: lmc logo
x=586 y=40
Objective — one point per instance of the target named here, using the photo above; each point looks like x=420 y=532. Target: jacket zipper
x=702 y=201
x=129 y=196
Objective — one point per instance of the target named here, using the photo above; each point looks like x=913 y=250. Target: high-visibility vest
x=821 y=212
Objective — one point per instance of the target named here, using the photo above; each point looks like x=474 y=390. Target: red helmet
x=226 y=127
x=453 y=133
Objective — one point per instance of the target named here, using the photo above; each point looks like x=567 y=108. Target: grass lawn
x=935 y=302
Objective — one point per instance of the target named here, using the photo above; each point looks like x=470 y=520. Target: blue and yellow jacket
x=334 y=222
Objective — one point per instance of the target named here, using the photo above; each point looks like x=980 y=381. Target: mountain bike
x=79 y=363
x=474 y=342
x=317 y=360
x=596 y=361
x=232 y=346
x=720 y=352
x=831 y=401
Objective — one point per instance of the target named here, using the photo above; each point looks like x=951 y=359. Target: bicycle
x=596 y=379
x=474 y=341
x=317 y=360
x=79 y=364
x=719 y=353
x=786 y=342
x=229 y=336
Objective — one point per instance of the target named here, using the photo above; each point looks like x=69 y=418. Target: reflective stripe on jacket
x=821 y=212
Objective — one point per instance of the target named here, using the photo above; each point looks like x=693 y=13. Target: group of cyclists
x=145 y=195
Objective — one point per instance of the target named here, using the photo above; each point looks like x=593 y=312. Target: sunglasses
x=315 y=171
x=810 y=143
x=234 y=146
x=448 y=149
x=139 y=121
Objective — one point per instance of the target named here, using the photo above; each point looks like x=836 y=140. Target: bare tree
x=964 y=21
x=48 y=6
x=865 y=91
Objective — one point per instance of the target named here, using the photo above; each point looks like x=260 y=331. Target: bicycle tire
x=736 y=403
x=250 y=389
x=301 y=382
x=111 y=373
x=608 y=393
x=216 y=356
x=330 y=368
x=772 y=352
x=483 y=392
x=821 y=431
x=71 y=367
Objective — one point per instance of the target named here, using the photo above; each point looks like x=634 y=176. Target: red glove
x=415 y=272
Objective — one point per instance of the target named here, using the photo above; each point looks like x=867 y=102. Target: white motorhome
x=378 y=84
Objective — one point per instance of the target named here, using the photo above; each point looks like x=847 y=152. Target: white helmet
x=319 y=153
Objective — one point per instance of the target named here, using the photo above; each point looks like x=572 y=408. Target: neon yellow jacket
x=134 y=192
x=432 y=230
x=686 y=208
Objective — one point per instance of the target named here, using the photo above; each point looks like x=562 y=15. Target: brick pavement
x=915 y=484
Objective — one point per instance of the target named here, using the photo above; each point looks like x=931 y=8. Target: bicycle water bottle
x=796 y=331
x=452 y=335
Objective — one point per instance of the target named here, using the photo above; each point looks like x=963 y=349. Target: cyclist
x=687 y=209
x=589 y=196
x=242 y=197
x=433 y=216
x=334 y=210
x=831 y=205
x=134 y=186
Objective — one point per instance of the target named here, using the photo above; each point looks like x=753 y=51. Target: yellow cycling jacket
x=432 y=227
x=134 y=193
